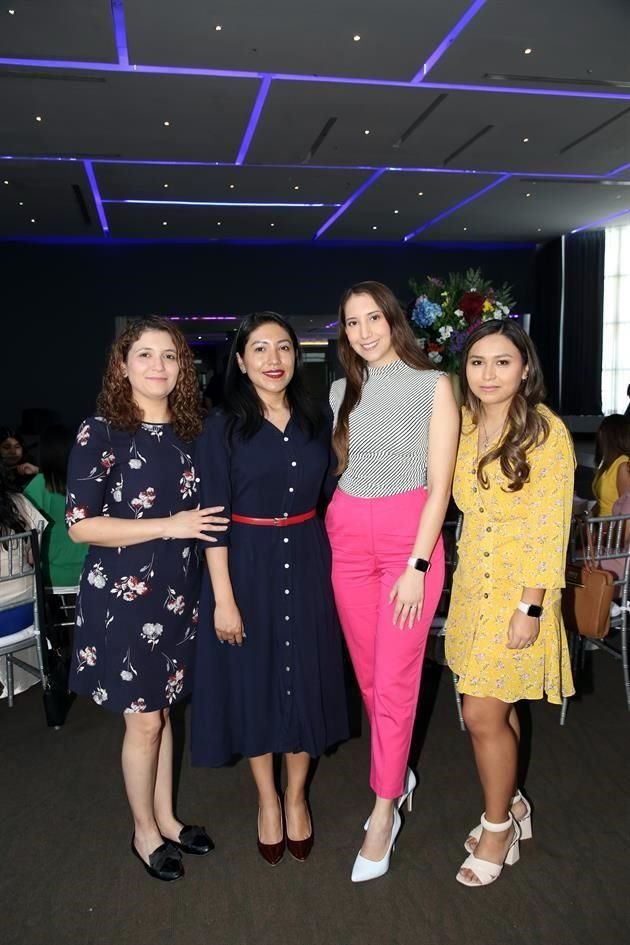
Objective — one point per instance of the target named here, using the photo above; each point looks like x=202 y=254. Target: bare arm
x=443 y=439
x=228 y=624
x=623 y=479
x=114 y=532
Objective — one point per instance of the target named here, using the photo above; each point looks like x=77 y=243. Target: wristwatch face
x=534 y=610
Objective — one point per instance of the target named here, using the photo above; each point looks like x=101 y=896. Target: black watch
x=419 y=564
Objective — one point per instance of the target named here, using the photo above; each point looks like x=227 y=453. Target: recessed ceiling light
x=465 y=229
x=296 y=187
x=164 y=223
x=38 y=117
x=232 y=186
x=167 y=124
x=375 y=228
x=218 y=28
x=396 y=211
x=32 y=219
x=527 y=50
x=199 y=337
x=272 y=224
x=539 y=229
x=367 y=131
x=218 y=223
x=11 y=12
x=6 y=182
x=356 y=37
x=420 y=193
x=528 y=195
x=21 y=203
x=525 y=140
x=165 y=185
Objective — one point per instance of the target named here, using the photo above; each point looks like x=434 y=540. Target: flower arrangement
x=445 y=312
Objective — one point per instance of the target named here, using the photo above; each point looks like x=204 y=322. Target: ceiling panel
x=285 y=36
x=57 y=197
x=58 y=29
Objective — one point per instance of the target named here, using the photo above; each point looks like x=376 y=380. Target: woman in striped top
x=395 y=436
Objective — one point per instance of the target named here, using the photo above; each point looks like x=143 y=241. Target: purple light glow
x=120 y=31
x=253 y=120
x=98 y=203
x=448 y=40
x=332 y=324
x=222 y=203
x=619 y=170
x=344 y=206
x=202 y=318
x=590 y=226
x=297 y=77
x=458 y=206
x=326 y=167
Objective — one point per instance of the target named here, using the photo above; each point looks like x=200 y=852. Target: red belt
x=278 y=522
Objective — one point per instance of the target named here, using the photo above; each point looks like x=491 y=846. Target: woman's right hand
x=228 y=624
x=196 y=523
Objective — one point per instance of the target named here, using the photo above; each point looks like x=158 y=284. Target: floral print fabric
x=137 y=609
x=510 y=541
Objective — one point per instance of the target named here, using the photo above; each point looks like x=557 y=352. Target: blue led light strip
x=351 y=199
x=221 y=203
x=120 y=31
x=457 y=206
x=67 y=64
x=448 y=40
x=253 y=121
x=590 y=226
x=96 y=194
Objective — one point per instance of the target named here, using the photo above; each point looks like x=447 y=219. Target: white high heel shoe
x=524 y=823
x=411 y=782
x=364 y=869
x=485 y=871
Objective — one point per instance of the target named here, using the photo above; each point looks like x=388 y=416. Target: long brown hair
x=355 y=367
x=115 y=401
x=612 y=441
x=525 y=426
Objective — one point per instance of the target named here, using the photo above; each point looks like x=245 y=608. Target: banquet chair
x=62 y=604
x=451 y=531
x=611 y=544
x=17 y=552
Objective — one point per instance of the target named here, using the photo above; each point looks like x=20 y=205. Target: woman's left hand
x=408 y=592
x=522 y=631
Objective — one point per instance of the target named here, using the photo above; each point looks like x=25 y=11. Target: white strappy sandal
x=524 y=823
x=485 y=871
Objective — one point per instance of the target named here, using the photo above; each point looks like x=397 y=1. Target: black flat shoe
x=193 y=840
x=165 y=862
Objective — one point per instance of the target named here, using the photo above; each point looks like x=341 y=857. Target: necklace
x=488 y=438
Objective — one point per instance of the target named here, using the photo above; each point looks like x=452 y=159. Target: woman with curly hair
x=133 y=495
x=505 y=640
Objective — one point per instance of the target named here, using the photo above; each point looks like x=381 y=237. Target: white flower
x=117 y=495
x=459 y=313
x=126 y=675
x=100 y=695
x=435 y=356
x=135 y=464
x=152 y=632
x=445 y=333
x=138 y=706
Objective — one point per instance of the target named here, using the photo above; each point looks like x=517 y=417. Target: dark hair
x=526 y=427
x=612 y=441
x=54 y=449
x=403 y=341
x=240 y=399
x=6 y=433
x=11 y=519
x=115 y=401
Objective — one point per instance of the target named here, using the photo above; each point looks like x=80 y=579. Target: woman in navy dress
x=277 y=686
x=133 y=495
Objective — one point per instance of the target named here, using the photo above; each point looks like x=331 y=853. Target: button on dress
x=511 y=540
x=137 y=608
x=283 y=690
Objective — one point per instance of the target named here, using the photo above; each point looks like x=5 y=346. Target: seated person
x=62 y=559
x=612 y=458
x=16 y=515
x=13 y=459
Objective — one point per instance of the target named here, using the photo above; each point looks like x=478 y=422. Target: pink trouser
x=371 y=540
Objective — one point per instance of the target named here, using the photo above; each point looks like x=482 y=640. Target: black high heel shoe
x=194 y=840
x=165 y=862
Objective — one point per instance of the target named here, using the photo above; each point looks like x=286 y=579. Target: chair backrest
x=607 y=543
x=18 y=572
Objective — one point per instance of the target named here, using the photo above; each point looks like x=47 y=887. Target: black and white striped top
x=389 y=430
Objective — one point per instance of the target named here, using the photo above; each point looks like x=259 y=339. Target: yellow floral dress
x=511 y=540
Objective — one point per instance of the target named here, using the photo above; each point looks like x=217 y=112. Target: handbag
x=589 y=591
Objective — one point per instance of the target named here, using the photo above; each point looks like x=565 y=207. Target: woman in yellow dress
x=505 y=640
x=612 y=457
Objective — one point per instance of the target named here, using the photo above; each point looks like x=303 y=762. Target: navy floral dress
x=137 y=608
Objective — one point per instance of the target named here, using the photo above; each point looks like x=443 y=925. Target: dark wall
x=61 y=300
